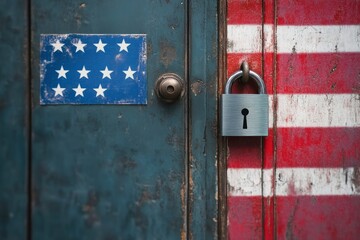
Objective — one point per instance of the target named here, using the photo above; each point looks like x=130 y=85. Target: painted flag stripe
x=316 y=110
x=294 y=181
x=319 y=73
x=297 y=217
x=318 y=147
x=305 y=12
x=323 y=217
x=245 y=218
x=298 y=147
x=294 y=39
x=301 y=12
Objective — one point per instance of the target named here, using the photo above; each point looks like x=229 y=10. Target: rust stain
x=355 y=180
x=183 y=209
x=167 y=53
x=230 y=44
x=197 y=87
x=89 y=209
x=190 y=194
x=290 y=223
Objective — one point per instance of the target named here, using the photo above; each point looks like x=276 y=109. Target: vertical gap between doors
x=29 y=120
x=187 y=119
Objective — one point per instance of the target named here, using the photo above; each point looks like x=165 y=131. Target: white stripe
x=290 y=39
x=247 y=38
x=294 y=182
x=316 y=110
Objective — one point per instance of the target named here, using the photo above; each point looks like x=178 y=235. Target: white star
x=57 y=46
x=129 y=73
x=79 y=46
x=100 y=46
x=123 y=46
x=62 y=72
x=106 y=73
x=79 y=90
x=58 y=90
x=84 y=73
x=100 y=91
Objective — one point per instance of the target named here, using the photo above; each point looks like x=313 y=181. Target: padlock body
x=232 y=118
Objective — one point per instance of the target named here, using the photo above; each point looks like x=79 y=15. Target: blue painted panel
x=93 y=69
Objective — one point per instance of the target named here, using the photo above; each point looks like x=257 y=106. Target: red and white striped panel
x=303 y=180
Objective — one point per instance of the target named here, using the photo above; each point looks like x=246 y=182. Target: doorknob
x=169 y=87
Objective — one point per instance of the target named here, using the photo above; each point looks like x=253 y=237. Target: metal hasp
x=169 y=87
x=244 y=114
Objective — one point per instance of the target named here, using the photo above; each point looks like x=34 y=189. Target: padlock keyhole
x=245 y=112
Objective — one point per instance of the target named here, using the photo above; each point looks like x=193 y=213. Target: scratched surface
x=14 y=122
x=107 y=172
x=301 y=182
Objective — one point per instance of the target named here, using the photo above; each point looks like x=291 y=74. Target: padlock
x=244 y=114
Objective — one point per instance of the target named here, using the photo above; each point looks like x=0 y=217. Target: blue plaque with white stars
x=93 y=69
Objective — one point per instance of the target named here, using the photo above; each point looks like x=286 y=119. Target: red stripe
x=250 y=12
x=244 y=12
x=320 y=12
x=318 y=147
x=289 y=12
x=245 y=152
x=318 y=73
x=245 y=221
x=313 y=217
x=298 y=147
x=244 y=216
x=305 y=73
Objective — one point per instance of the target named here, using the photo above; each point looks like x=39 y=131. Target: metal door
x=111 y=171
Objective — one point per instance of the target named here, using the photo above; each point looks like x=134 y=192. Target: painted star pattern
x=100 y=46
x=79 y=46
x=84 y=73
x=129 y=73
x=57 y=46
x=79 y=90
x=123 y=46
x=88 y=74
x=106 y=73
x=59 y=90
x=100 y=91
x=62 y=72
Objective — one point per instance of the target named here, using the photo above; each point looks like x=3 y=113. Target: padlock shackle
x=238 y=75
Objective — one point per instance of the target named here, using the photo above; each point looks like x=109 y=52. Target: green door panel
x=110 y=172
x=14 y=119
x=79 y=172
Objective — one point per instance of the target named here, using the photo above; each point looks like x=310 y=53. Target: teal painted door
x=136 y=171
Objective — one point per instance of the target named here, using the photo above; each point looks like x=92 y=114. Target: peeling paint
x=197 y=87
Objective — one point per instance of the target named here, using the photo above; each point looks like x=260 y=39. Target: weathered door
x=302 y=181
x=112 y=171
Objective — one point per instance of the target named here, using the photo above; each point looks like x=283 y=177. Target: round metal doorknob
x=169 y=87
